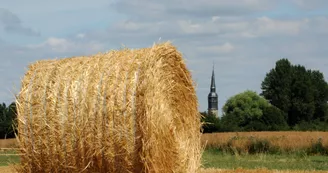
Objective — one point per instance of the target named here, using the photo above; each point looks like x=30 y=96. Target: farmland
x=215 y=159
x=281 y=152
x=278 y=142
x=266 y=151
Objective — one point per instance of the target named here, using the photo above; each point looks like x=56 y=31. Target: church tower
x=213 y=97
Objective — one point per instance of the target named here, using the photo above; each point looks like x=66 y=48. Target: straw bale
x=128 y=110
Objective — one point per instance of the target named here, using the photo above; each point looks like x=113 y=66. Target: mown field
x=244 y=152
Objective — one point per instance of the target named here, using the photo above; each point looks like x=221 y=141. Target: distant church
x=213 y=97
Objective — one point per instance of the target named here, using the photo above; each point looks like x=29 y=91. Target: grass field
x=213 y=158
x=216 y=161
x=292 y=159
x=8 y=156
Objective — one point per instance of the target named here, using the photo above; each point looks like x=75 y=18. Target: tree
x=210 y=123
x=276 y=85
x=248 y=111
x=7 y=120
x=320 y=92
x=274 y=119
x=302 y=94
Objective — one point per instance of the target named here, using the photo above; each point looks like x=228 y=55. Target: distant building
x=213 y=97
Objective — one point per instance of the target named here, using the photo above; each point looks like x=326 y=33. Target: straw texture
x=121 y=111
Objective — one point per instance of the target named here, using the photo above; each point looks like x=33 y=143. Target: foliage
x=243 y=110
x=259 y=146
x=274 y=119
x=320 y=92
x=7 y=120
x=248 y=111
x=300 y=93
x=276 y=85
x=318 y=148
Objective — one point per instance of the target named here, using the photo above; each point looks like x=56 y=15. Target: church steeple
x=213 y=88
x=213 y=97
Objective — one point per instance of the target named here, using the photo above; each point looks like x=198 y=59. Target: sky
x=244 y=38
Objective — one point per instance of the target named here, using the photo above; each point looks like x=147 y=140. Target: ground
x=8 y=169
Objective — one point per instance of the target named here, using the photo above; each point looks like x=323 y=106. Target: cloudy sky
x=244 y=38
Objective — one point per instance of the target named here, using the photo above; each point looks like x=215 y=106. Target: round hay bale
x=121 y=111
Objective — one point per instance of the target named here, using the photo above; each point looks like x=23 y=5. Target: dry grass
x=286 y=141
x=121 y=111
x=257 y=171
x=8 y=169
x=8 y=143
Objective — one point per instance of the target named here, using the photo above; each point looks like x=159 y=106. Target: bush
x=318 y=148
x=311 y=126
x=259 y=146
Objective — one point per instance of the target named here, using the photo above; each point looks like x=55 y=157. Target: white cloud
x=55 y=44
x=216 y=26
x=218 y=49
x=190 y=28
x=134 y=26
x=62 y=45
x=187 y=8
x=80 y=35
x=265 y=25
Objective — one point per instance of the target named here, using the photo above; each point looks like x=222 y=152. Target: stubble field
x=284 y=141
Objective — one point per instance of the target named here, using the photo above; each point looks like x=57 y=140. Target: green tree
x=320 y=94
x=276 y=85
x=274 y=119
x=248 y=111
x=302 y=97
x=302 y=94
x=3 y=112
x=7 y=120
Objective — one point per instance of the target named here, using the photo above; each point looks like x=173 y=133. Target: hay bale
x=121 y=111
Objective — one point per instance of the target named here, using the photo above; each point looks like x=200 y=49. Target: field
x=277 y=142
x=8 y=143
x=213 y=158
x=276 y=152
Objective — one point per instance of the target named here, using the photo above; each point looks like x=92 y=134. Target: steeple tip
x=213 y=88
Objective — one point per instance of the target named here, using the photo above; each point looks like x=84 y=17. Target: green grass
x=213 y=158
x=7 y=157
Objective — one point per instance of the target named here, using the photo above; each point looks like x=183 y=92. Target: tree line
x=8 y=115
x=292 y=98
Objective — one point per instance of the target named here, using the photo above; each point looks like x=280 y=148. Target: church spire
x=213 y=88
x=213 y=97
